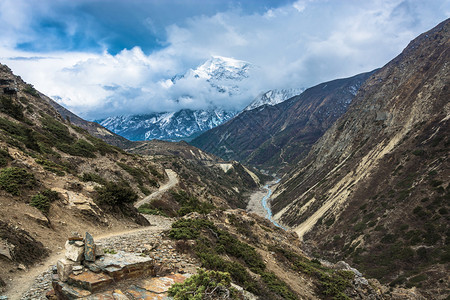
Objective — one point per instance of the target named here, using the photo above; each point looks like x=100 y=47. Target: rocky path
x=173 y=180
x=145 y=241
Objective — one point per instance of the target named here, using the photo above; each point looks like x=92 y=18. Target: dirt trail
x=173 y=180
x=23 y=283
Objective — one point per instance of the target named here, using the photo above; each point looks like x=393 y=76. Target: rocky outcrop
x=372 y=190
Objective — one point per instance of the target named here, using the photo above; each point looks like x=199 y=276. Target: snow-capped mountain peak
x=223 y=68
x=273 y=97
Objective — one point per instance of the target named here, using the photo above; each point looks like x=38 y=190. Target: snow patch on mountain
x=273 y=97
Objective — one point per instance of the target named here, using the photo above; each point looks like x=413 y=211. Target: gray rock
x=89 y=247
x=64 y=267
x=5 y=249
x=74 y=252
x=99 y=250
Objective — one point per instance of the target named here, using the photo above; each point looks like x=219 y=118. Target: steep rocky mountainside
x=56 y=178
x=274 y=137
x=184 y=124
x=374 y=190
x=92 y=127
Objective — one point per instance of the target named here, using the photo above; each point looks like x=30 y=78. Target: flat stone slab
x=123 y=265
x=141 y=294
x=66 y=291
x=161 y=284
x=90 y=281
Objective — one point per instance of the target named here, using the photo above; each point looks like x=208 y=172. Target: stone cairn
x=78 y=250
x=88 y=272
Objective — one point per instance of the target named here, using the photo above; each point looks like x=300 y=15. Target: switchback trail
x=173 y=180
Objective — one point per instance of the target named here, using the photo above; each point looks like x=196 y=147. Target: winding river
x=266 y=205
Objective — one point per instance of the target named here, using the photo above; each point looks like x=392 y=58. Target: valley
x=338 y=191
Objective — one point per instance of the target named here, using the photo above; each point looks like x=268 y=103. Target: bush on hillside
x=205 y=285
x=115 y=194
x=14 y=180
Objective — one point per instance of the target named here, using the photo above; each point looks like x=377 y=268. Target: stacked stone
x=77 y=251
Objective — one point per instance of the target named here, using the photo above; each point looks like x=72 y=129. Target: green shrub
x=21 y=133
x=419 y=152
x=137 y=174
x=149 y=210
x=52 y=167
x=59 y=131
x=14 y=180
x=29 y=89
x=190 y=203
x=205 y=285
x=4 y=157
x=93 y=177
x=240 y=250
x=115 y=194
x=79 y=148
x=187 y=229
x=41 y=202
x=7 y=106
x=144 y=190
x=332 y=283
x=102 y=147
x=277 y=286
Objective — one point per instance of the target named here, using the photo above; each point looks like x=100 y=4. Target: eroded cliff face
x=374 y=189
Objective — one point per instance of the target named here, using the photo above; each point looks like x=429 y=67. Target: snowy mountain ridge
x=273 y=97
x=170 y=126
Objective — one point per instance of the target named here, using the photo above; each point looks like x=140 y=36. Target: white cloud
x=298 y=45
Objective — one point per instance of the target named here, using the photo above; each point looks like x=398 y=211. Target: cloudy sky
x=103 y=57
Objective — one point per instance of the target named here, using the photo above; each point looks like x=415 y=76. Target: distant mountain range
x=170 y=126
x=223 y=74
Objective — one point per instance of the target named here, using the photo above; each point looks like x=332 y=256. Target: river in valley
x=259 y=202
